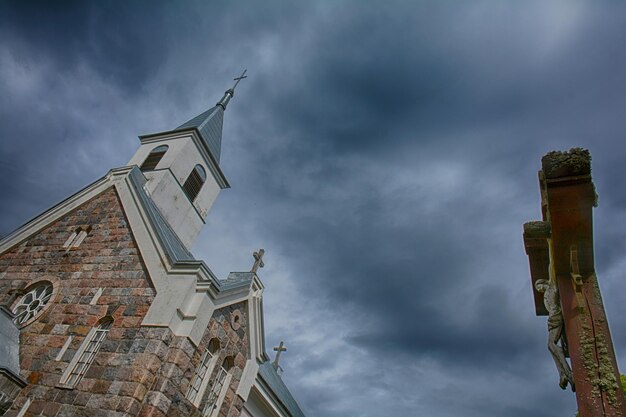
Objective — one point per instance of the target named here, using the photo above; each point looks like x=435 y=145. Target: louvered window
x=153 y=159
x=194 y=182
x=87 y=352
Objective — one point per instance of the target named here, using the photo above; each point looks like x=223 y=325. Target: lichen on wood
x=597 y=362
x=537 y=229
x=558 y=164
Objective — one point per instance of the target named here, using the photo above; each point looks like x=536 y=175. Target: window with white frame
x=218 y=389
x=76 y=238
x=32 y=303
x=86 y=353
x=201 y=375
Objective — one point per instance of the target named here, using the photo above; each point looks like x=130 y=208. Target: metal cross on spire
x=231 y=91
x=279 y=349
x=237 y=79
x=258 y=260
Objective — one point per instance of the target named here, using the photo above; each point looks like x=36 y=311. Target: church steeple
x=230 y=93
x=182 y=169
x=210 y=123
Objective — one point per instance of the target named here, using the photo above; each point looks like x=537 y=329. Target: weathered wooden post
x=560 y=252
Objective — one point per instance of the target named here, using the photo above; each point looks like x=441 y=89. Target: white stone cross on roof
x=278 y=351
x=258 y=260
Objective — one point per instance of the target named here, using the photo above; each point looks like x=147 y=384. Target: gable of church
x=107 y=256
x=136 y=369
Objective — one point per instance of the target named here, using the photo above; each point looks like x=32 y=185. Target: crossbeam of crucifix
x=258 y=260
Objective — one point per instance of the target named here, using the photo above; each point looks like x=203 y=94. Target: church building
x=104 y=311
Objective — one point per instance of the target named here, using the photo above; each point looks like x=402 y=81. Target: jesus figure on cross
x=555 y=330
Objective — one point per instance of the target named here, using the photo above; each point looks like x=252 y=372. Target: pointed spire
x=231 y=91
x=209 y=123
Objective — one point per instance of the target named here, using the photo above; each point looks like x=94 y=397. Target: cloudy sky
x=384 y=154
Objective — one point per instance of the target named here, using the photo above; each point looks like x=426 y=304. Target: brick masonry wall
x=232 y=343
x=138 y=370
x=180 y=358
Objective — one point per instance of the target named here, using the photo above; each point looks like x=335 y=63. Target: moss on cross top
x=575 y=162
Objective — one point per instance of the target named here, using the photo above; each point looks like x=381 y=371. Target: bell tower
x=182 y=168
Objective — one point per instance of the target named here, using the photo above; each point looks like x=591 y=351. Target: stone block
x=150 y=411
x=82 y=398
x=158 y=400
x=115 y=387
x=67 y=410
x=128 y=405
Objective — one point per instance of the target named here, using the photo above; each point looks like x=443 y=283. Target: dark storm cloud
x=398 y=272
x=492 y=96
x=451 y=72
x=53 y=98
x=385 y=155
x=124 y=44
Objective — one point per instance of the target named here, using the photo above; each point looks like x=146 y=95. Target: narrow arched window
x=219 y=387
x=86 y=353
x=153 y=159
x=194 y=182
x=200 y=378
x=76 y=238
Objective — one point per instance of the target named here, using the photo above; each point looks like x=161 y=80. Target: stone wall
x=138 y=370
x=233 y=343
x=180 y=359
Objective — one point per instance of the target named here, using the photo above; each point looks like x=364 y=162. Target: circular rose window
x=32 y=303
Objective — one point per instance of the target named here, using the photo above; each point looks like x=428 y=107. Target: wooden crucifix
x=278 y=351
x=565 y=286
x=258 y=260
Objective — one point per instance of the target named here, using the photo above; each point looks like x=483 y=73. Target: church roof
x=236 y=279
x=278 y=387
x=209 y=125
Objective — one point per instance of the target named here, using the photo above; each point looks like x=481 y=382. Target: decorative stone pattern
x=139 y=371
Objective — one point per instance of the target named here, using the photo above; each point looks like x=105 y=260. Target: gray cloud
x=384 y=154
